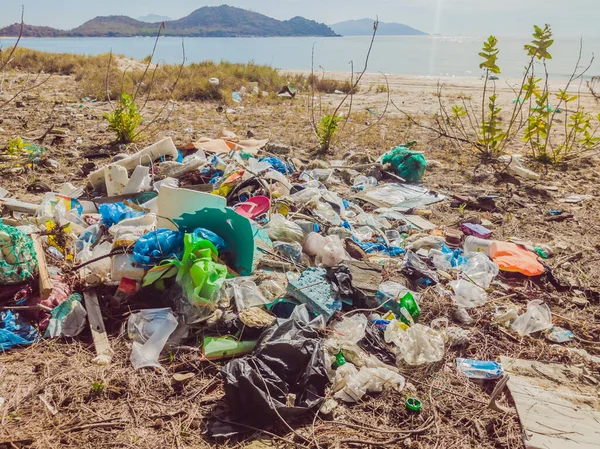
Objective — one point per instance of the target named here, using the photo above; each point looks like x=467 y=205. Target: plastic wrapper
x=416 y=345
x=149 y=329
x=468 y=295
x=282 y=230
x=350 y=384
x=67 y=319
x=284 y=377
x=538 y=317
x=479 y=369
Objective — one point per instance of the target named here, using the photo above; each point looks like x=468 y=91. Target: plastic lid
x=413 y=404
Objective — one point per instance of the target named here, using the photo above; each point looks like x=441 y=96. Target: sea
x=419 y=56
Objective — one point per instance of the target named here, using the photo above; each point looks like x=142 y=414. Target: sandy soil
x=146 y=409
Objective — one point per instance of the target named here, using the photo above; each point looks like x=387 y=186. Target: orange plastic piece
x=511 y=257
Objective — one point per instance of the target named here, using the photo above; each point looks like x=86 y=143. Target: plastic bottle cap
x=413 y=404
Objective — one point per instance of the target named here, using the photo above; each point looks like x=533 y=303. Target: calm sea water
x=399 y=55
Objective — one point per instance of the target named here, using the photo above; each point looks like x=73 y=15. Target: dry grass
x=145 y=409
x=163 y=81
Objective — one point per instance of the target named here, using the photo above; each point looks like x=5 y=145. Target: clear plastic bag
x=537 y=318
x=246 y=293
x=351 y=329
x=416 y=345
x=282 y=230
x=468 y=295
x=328 y=251
x=480 y=269
x=150 y=329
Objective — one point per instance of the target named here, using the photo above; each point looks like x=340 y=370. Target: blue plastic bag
x=202 y=233
x=277 y=165
x=154 y=247
x=15 y=331
x=113 y=213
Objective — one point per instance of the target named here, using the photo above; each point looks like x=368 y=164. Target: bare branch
x=149 y=62
x=10 y=55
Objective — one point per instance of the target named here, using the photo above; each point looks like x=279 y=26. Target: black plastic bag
x=285 y=376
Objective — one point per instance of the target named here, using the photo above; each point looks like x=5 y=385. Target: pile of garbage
x=304 y=281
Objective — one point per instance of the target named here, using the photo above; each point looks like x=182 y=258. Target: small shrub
x=125 y=119
x=381 y=89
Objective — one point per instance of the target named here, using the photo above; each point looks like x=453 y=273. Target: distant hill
x=364 y=27
x=209 y=21
x=154 y=18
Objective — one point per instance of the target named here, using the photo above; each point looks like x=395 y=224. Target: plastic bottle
x=477 y=245
x=90 y=235
x=397 y=298
x=363 y=182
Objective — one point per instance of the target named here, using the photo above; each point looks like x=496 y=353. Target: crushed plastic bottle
x=400 y=300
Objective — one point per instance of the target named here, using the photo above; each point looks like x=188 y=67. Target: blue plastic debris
x=479 y=369
x=313 y=289
x=113 y=213
x=15 y=331
x=154 y=247
x=277 y=165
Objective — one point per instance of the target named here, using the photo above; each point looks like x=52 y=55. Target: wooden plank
x=44 y=276
x=557 y=407
x=103 y=351
x=19 y=206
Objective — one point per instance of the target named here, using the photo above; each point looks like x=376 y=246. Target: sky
x=449 y=17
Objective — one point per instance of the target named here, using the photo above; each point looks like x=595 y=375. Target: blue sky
x=466 y=17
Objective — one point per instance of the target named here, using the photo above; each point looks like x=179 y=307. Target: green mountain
x=209 y=21
x=364 y=27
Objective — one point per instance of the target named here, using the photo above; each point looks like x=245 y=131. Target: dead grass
x=145 y=408
x=160 y=82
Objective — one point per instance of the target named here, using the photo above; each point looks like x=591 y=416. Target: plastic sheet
x=288 y=363
x=351 y=329
x=480 y=269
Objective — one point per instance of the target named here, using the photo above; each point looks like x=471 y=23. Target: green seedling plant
x=98 y=387
x=125 y=119
x=328 y=126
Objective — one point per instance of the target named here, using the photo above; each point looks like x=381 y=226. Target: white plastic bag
x=328 y=251
x=149 y=329
x=416 y=345
x=350 y=384
x=468 y=295
x=537 y=318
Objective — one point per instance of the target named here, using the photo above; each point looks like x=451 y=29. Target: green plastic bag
x=198 y=273
x=408 y=164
